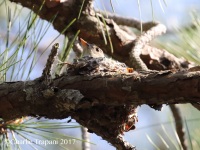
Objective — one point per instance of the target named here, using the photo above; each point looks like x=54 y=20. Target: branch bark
x=84 y=97
x=90 y=30
x=34 y=98
x=69 y=95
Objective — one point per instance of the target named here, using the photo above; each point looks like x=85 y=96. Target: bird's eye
x=97 y=49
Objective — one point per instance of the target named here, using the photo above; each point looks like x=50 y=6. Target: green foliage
x=22 y=42
x=13 y=54
x=164 y=135
x=37 y=134
x=185 y=42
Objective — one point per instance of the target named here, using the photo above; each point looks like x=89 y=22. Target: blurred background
x=155 y=129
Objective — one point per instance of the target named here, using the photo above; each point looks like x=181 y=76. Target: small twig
x=65 y=63
x=131 y=22
x=141 y=41
x=121 y=144
x=86 y=138
x=152 y=30
x=47 y=70
x=179 y=125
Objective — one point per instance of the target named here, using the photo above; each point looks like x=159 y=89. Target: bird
x=93 y=61
x=91 y=49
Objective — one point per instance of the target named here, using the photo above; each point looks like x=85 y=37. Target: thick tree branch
x=33 y=91
x=116 y=96
x=24 y=98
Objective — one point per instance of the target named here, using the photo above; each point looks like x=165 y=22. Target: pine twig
x=46 y=74
x=86 y=138
x=179 y=125
x=131 y=22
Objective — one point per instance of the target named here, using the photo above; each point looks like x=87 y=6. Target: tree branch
x=133 y=88
x=179 y=125
x=46 y=74
x=140 y=43
x=131 y=22
x=28 y=97
x=116 y=96
x=89 y=26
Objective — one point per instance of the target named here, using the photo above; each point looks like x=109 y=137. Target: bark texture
x=67 y=93
x=105 y=104
x=91 y=24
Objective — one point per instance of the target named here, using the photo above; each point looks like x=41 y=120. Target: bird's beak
x=84 y=43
